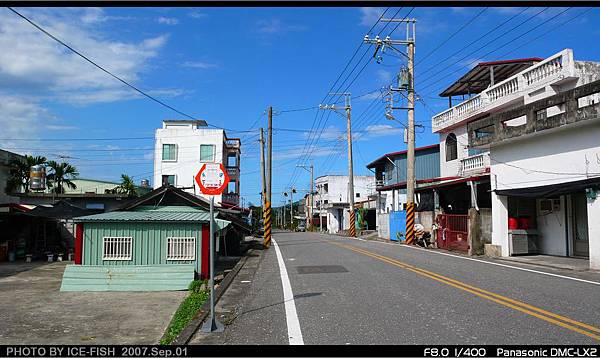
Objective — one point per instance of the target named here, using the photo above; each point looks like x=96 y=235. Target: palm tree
x=61 y=175
x=19 y=173
x=127 y=186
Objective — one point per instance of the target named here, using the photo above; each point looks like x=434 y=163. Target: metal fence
x=453 y=232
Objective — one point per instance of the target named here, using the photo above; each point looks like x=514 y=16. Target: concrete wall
x=551 y=227
x=451 y=168
x=187 y=163
x=383 y=226
x=500 y=222
x=593 y=212
x=535 y=161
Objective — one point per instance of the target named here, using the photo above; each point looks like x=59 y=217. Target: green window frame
x=207 y=152
x=169 y=152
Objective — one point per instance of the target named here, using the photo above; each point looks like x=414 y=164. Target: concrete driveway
x=34 y=311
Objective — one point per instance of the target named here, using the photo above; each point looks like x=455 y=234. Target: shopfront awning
x=549 y=191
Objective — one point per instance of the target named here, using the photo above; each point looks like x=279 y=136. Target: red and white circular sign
x=212 y=178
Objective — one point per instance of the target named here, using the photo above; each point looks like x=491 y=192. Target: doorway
x=581 y=242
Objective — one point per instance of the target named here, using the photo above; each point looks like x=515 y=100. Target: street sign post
x=212 y=180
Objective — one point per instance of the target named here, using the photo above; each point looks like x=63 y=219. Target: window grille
x=181 y=248
x=117 y=248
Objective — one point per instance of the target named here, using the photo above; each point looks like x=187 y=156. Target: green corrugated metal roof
x=181 y=209
x=159 y=214
x=199 y=216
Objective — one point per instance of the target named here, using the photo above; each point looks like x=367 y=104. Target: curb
x=186 y=334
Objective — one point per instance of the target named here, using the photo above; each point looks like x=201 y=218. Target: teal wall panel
x=127 y=278
x=149 y=242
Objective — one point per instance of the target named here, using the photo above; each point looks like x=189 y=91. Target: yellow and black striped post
x=267 y=225
x=410 y=223
x=352 y=232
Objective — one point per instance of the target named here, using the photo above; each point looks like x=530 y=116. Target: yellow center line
x=494 y=297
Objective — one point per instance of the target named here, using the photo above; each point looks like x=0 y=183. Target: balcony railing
x=474 y=164
x=233 y=143
x=550 y=70
x=233 y=172
x=230 y=198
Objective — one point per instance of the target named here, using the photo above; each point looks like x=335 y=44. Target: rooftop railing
x=552 y=69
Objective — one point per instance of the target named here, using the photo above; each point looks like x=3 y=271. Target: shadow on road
x=301 y=295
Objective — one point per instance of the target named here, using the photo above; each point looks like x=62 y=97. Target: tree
x=61 y=174
x=18 y=172
x=127 y=186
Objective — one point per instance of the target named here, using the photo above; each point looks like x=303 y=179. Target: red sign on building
x=212 y=178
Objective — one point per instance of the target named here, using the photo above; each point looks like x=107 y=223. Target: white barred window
x=181 y=248
x=117 y=248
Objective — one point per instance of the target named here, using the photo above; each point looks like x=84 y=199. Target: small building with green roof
x=158 y=242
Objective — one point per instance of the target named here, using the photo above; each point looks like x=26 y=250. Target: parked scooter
x=423 y=238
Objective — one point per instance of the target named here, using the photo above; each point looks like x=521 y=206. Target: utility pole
x=267 y=211
x=406 y=82
x=311 y=192
x=348 y=108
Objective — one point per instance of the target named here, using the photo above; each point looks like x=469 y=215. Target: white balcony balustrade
x=552 y=69
x=474 y=164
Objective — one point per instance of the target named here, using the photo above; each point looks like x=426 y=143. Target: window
x=181 y=248
x=358 y=195
x=117 y=248
x=169 y=152
x=168 y=180
x=451 y=147
x=207 y=153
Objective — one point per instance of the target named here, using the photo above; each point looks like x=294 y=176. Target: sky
x=227 y=65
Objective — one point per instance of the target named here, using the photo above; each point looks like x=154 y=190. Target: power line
x=143 y=93
x=482 y=47
x=505 y=44
x=451 y=36
x=472 y=42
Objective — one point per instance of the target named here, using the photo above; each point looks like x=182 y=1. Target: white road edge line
x=487 y=262
x=291 y=317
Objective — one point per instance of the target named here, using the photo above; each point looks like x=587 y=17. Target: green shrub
x=196 y=286
x=187 y=311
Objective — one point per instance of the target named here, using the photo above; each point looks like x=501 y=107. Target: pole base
x=212 y=325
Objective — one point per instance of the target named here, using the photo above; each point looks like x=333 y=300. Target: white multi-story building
x=183 y=146
x=520 y=130
x=331 y=200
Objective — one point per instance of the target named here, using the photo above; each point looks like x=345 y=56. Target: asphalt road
x=348 y=291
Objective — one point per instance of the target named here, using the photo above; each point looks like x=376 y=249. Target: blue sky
x=226 y=65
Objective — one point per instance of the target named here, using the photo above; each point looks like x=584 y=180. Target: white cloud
x=369 y=15
x=167 y=20
x=196 y=15
x=56 y=127
x=33 y=63
x=381 y=130
x=199 y=64
x=20 y=118
x=277 y=27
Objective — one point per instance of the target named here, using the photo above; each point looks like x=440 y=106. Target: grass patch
x=198 y=294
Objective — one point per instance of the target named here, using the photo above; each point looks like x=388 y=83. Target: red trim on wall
x=204 y=272
x=78 y=243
